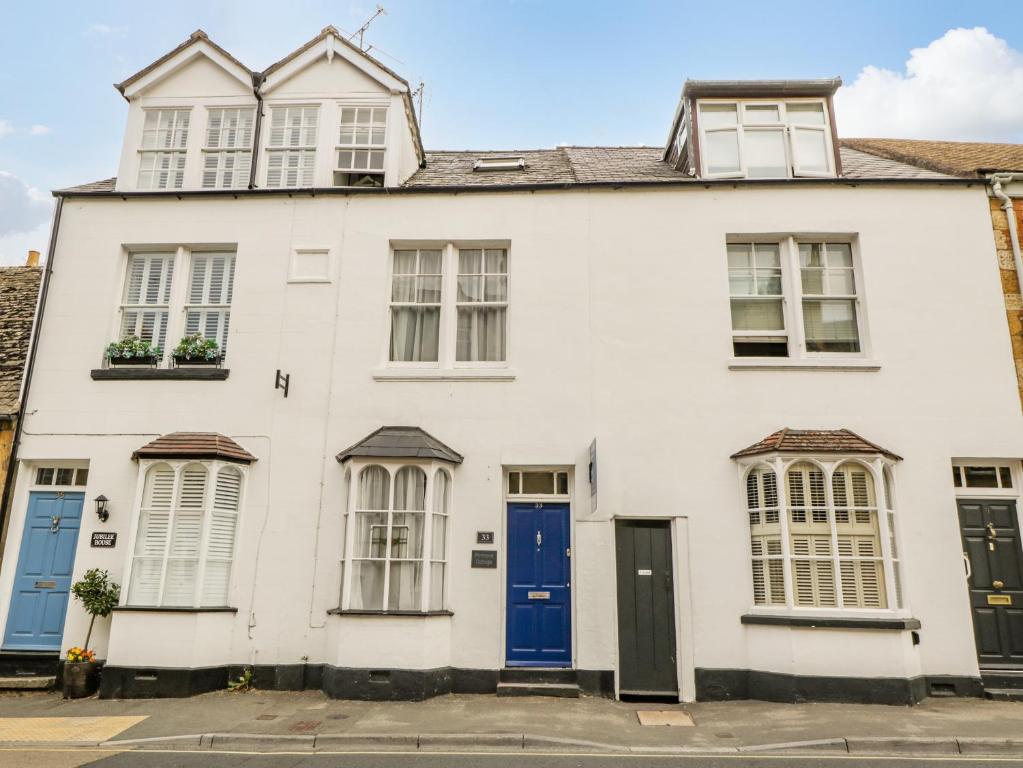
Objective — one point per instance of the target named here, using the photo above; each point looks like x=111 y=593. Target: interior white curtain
x=415 y=334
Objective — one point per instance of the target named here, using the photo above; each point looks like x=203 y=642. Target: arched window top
x=193 y=486
x=410 y=489
x=159 y=490
x=804 y=485
x=441 y=491
x=853 y=485
x=374 y=488
x=761 y=488
x=228 y=490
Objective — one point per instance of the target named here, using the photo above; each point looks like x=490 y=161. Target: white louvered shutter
x=144 y=310
x=210 y=291
x=220 y=545
x=859 y=540
x=291 y=146
x=765 y=538
x=813 y=568
x=151 y=539
x=186 y=537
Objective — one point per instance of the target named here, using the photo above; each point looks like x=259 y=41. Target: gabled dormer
x=326 y=115
x=755 y=129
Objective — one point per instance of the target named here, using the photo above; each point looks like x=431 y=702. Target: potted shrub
x=98 y=596
x=131 y=350
x=196 y=349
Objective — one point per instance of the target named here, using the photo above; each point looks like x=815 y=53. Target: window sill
x=174 y=609
x=831 y=622
x=788 y=364
x=160 y=374
x=402 y=614
x=447 y=374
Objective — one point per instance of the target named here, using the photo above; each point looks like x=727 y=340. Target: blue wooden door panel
x=42 y=583
x=539 y=627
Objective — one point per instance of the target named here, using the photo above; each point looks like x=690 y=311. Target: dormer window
x=291 y=146
x=764 y=139
x=227 y=156
x=361 y=145
x=163 y=149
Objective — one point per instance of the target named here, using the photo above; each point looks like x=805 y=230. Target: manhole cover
x=665 y=717
x=266 y=717
x=304 y=726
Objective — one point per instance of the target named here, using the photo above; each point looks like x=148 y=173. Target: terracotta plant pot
x=81 y=679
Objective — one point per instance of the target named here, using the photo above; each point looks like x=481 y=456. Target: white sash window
x=145 y=305
x=162 y=152
x=291 y=146
x=227 y=156
x=825 y=543
x=185 y=538
x=362 y=143
x=210 y=288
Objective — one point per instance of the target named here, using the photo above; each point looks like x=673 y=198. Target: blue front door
x=539 y=622
x=43 y=580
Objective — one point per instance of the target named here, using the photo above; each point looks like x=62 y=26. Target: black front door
x=646 y=609
x=991 y=546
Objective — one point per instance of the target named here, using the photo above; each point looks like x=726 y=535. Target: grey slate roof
x=401 y=443
x=19 y=291
x=589 y=165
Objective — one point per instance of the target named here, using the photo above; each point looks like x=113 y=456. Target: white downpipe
x=996 y=187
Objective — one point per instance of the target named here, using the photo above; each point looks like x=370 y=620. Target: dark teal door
x=539 y=622
x=42 y=582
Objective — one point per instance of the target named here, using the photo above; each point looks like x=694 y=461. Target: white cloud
x=5 y=128
x=40 y=130
x=106 y=30
x=966 y=85
x=22 y=208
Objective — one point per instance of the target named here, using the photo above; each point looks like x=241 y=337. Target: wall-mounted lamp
x=101 y=508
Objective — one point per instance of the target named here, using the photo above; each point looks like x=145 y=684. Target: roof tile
x=401 y=443
x=813 y=441
x=968 y=159
x=194 y=445
x=19 y=292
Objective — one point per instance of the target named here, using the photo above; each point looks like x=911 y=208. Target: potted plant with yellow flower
x=99 y=597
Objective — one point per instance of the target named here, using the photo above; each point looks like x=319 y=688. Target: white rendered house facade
x=675 y=423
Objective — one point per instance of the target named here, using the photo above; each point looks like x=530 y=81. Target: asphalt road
x=77 y=758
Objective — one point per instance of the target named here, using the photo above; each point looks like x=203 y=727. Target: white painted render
x=619 y=330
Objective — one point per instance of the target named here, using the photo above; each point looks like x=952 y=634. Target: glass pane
x=741 y=283
x=810 y=149
x=410 y=489
x=765 y=154
x=830 y=326
x=495 y=288
x=374 y=489
x=441 y=494
x=437 y=587
x=429 y=262
x=406 y=587
x=563 y=483
x=758 y=114
x=805 y=113
x=538 y=482
x=470 y=288
x=767 y=255
x=404 y=262
x=497 y=260
x=981 y=477
x=813 y=282
x=1006 y=477
x=740 y=256
x=414 y=334
x=65 y=476
x=470 y=261
x=480 y=334
x=428 y=290
x=722 y=152
x=438 y=545
x=717 y=115
x=768 y=282
x=407 y=535
x=44 y=476
x=841 y=282
x=957 y=478
x=513 y=482
x=82 y=477
x=757 y=315
x=839 y=255
x=367 y=586
x=370 y=534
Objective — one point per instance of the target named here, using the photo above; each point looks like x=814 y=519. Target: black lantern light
x=101 y=508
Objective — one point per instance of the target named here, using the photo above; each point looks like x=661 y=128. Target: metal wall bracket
x=283 y=381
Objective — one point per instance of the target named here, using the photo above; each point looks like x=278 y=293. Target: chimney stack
x=33 y=259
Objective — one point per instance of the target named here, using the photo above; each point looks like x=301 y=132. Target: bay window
x=765 y=139
x=396 y=538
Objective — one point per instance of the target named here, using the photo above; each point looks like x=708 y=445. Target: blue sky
x=511 y=73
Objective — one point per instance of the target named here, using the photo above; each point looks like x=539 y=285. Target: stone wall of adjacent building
x=1010 y=282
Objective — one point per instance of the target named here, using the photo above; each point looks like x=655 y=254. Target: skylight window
x=499 y=164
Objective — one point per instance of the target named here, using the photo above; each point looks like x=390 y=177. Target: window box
x=119 y=362
x=183 y=361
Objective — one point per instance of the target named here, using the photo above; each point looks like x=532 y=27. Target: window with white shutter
x=208 y=304
x=163 y=150
x=187 y=526
x=828 y=538
x=291 y=146
x=145 y=301
x=227 y=154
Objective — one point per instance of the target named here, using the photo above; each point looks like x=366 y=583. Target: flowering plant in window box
x=196 y=349
x=131 y=350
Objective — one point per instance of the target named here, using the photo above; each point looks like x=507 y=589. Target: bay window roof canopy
x=814 y=441
x=194 y=445
x=401 y=443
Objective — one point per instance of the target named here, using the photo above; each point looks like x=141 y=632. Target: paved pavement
x=303 y=722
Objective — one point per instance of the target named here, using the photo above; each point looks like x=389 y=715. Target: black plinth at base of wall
x=729 y=684
x=336 y=682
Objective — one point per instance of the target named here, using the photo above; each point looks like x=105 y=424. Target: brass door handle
x=997 y=584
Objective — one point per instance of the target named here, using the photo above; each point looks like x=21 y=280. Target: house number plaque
x=484 y=537
x=101 y=539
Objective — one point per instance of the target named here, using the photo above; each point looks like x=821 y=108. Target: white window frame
x=337 y=146
x=178 y=294
x=887 y=513
x=270 y=150
x=999 y=492
x=446 y=353
x=212 y=467
x=788 y=129
x=354 y=469
x=792 y=299
x=222 y=309
x=222 y=152
x=176 y=152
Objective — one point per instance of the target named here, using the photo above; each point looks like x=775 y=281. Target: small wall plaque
x=484 y=558
x=103 y=539
x=999 y=599
x=484 y=537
